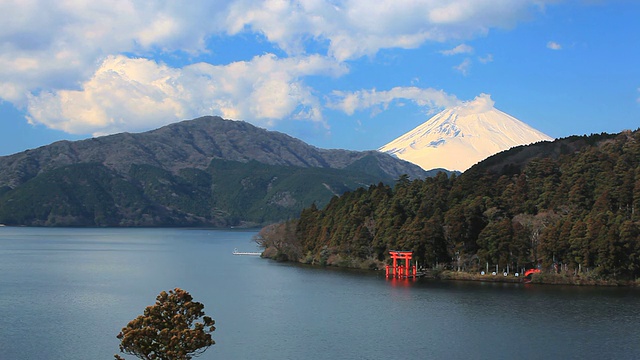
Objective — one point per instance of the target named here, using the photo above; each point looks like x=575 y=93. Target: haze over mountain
x=459 y=137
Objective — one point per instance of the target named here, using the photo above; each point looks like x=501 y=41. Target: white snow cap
x=461 y=136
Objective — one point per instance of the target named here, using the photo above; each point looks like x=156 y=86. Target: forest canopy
x=571 y=204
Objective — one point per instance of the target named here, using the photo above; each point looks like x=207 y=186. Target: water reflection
x=65 y=293
x=401 y=282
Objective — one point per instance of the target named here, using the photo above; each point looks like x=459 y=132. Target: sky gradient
x=335 y=74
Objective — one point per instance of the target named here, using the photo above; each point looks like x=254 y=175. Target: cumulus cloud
x=482 y=103
x=350 y=102
x=129 y=94
x=429 y=98
x=63 y=60
x=554 y=45
x=357 y=28
x=460 y=49
x=57 y=44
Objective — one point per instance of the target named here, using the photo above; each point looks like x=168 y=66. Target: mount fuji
x=459 y=137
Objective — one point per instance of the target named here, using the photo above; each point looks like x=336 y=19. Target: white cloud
x=486 y=59
x=58 y=44
x=460 y=49
x=357 y=28
x=62 y=60
x=350 y=102
x=138 y=94
x=554 y=45
x=464 y=67
x=482 y=103
x=45 y=44
x=429 y=98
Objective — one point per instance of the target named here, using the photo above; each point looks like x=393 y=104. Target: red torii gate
x=397 y=270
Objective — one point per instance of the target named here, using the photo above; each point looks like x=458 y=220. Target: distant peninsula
x=570 y=207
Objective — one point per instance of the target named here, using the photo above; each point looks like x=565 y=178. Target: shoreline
x=540 y=278
x=564 y=278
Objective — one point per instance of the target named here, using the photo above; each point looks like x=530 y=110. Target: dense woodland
x=227 y=193
x=572 y=205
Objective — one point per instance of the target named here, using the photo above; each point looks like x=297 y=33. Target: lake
x=66 y=293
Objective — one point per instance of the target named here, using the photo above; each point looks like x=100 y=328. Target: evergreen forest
x=572 y=205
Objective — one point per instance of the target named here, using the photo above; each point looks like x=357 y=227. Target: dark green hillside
x=571 y=205
x=227 y=193
x=266 y=193
x=76 y=195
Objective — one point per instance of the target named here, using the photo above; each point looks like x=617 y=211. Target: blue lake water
x=66 y=293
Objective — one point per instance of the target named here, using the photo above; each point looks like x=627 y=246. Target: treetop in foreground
x=175 y=328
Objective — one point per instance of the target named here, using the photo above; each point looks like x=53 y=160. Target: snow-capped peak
x=459 y=137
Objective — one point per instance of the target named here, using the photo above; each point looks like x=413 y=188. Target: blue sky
x=336 y=74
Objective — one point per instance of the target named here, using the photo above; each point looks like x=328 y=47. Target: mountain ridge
x=190 y=143
x=202 y=172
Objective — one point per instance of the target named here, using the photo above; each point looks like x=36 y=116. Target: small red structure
x=528 y=274
x=531 y=272
x=399 y=270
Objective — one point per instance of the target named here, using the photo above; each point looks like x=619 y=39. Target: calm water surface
x=66 y=293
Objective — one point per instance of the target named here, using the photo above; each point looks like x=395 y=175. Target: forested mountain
x=572 y=204
x=206 y=171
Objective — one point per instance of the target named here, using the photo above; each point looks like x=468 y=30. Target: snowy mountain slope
x=459 y=137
